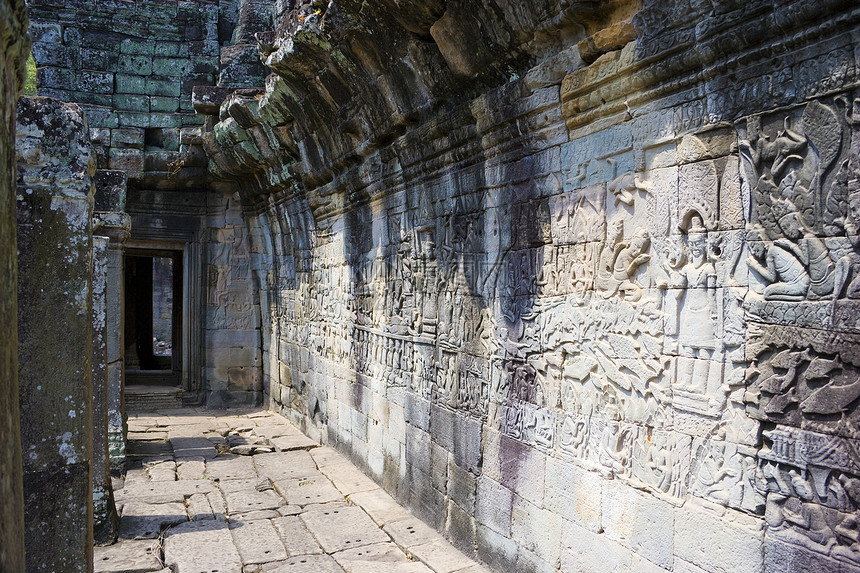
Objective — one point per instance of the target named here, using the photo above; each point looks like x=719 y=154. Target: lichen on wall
x=54 y=209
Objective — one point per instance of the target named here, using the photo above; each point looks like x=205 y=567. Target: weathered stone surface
x=13 y=15
x=308 y=491
x=246 y=500
x=54 y=238
x=163 y=492
x=146 y=520
x=201 y=546
x=258 y=542
x=308 y=564
x=342 y=528
x=127 y=557
x=380 y=506
x=295 y=536
x=382 y=557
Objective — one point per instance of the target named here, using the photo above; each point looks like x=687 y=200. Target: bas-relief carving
x=617 y=335
x=803 y=263
x=813 y=492
x=649 y=323
x=803 y=381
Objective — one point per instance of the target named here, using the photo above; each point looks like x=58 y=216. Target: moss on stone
x=30 y=85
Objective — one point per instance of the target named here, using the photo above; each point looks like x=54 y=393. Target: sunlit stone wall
x=578 y=283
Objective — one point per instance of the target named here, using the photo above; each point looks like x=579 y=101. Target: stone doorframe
x=190 y=335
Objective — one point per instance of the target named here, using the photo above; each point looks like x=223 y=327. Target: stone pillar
x=54 y=216
x=105 y=519
x=13 y=28
x=116 y=226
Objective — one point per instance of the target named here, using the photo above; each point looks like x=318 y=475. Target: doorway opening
x=153 y=317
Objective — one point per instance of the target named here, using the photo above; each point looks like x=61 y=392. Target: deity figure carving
x=619 y=261
x=785 y=274
x=811 y=250
x=696 y=328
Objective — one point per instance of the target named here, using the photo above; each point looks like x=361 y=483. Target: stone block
x=258 y=541
x=439 y=460
x=309 y=564
x=639 y=521
x=162 y=86
x=460 y=528
x=56 y=78
x=380 y=506
x=146 y=520
x=523 y=470
x=131 y=102
x=257 y=499
x=46 y=33
x=100 y=116
x=462 y=487
x=296 y=537
x=308 y=491
x=207 y=100
x=342 y=528
x=497 y=551
x=126 y=556
x=128 y=160
x=98 y=59
x=201 y=546
x=380 y=557
x=494 y=504
x=133 y=118
x=491 y=450
x=165 y=104
x=198 y=507
x=95 y=82
x=171 y=120
x=717 y=539
x=110 y=196
x=135 y=46
x=127 y=137
x=417 y=412
x=130 y=84
x=780 y=557
x=536 y=530
x=225 y=468
x=584 y=551
x=574 y=493
x=170 y=66
x=440 y=555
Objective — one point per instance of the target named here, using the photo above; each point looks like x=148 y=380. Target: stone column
x=13 y=28
x=105 y=519
x=54 y=216
x=116 y=226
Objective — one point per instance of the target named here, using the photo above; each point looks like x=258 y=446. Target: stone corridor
x=245 y=491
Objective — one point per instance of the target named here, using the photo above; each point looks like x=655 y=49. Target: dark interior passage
x=153 y=317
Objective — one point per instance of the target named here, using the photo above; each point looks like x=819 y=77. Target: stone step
x=152 y=398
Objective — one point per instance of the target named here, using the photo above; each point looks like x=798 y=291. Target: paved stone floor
x=245 y=491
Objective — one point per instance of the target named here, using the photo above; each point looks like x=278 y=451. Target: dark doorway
x=153 y=317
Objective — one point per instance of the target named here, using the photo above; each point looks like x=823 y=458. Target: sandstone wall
x=577 y=282
x=13 y=25
x=54 y=211
x=132 y=66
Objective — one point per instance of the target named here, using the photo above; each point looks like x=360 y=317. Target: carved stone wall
x=575 y=282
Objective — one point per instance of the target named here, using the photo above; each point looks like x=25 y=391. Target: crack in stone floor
x=245 y=491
